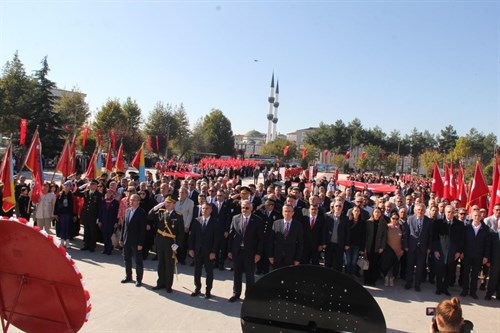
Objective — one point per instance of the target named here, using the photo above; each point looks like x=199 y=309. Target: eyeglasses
x=142 y=193
x=461 y=213
x=245 y=208
x=337 y=206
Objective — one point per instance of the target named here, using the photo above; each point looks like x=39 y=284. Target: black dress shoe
x=138 y=284
x=407 y=286
x=157 y=288
x=84 y=248
x=463 y=293
x=438 y=292
x=126 y=280
x=487 y=297
x=473 y=295
x=446 y=292
x=195 y=293
x=482 y=286
x=233 y=298
x=208 y=295
x=169 y=290
x=417 y=288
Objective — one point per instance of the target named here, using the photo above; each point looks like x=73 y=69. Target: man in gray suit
x=417 y=242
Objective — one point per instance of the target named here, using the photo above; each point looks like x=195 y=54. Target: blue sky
x=395 y=64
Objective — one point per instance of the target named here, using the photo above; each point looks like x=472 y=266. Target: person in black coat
x=268 y=214
x=203 y=244
x=245 y=247
x=108 y=219
x=376 y=239
x=286 y=240
x=147 y=203
x=63 y=210
x=221 y=210
x=314 y=236
x=417 y=242
x=476 y=253
x=337 y=236
x=132 y=239
x=89 y=214
x=447 y=248
x=494 y=281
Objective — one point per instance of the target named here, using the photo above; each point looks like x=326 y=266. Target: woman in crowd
x=376 y=238
x=108 y=219
x=63 y=211
x=357 y=241
x=389 y=262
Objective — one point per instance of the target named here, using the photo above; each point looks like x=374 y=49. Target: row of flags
x=66 y=166
x=453 y=188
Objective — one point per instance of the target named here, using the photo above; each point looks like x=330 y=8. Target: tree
x=218 y=133
x=427 y=159
x=375 y=136
x=72 y=109
x=198 y=137
x=16 y=97
x=133 y=112
x=462 y=149
x=181 y=142
x=277 y=148
x=161 y=123
x=481 y=145
x=390 y=163
x=446 y=141
x=44 y=116
x=356 y=132
x=372 y=159
x=111 y=117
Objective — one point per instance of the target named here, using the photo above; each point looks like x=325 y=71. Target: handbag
x=115 y=237
x=363 y=263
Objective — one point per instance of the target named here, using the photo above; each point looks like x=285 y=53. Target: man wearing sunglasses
x=245 y=247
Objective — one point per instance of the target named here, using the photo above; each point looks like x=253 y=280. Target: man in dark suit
x=286 y=240
x=203 y=244
x=494 y=281
x=268 y=214
x=448 y=247
x=337 y=236
x=314 y=236
x=192 y=192
x=132 y=239
x=170 y=234
x=222 y=212
x=417 y=242
x=89 y=214
x=476 y=253
x=245 y=247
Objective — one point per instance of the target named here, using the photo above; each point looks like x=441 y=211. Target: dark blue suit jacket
x=414 y=241
x=252 y=239
x=134 y=229
x=477 y=246
x=204 y=242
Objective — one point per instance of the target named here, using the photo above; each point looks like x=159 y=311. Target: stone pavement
x=125 y=308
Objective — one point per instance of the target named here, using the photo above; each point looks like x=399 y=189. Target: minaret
x=276 y=105
x=270 y=113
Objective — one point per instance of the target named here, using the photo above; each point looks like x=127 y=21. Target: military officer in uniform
x=169 y=237
x=89 y=214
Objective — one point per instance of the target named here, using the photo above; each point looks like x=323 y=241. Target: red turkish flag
x=494 y=186
x=326 y=152
x=99 y=138
x=285 y=150
x=157 y=145
x=84 y=139
x=22 y=132
x=363 y=155
x=109 y=160
x=64 y=163
x=446 y=193
x=120 y=163
x=34 y=163
x=437 y=182
x=150 y=149
x=453 y=183
x=479 y=190
x=304 y=153
x=347 y=154
x=461 y=187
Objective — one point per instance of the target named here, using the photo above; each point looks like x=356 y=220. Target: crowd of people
x=410 y=235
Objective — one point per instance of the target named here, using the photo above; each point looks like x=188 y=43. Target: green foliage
x=181 y=141
x=218 y=134
x=372 y=160
x=43 y=115
x=160 y=123
x=427 y=159
x=16 y=96
x=446 y=141
x=111 y=117
x=277 y=147
x=133 y=112
x=390 y=163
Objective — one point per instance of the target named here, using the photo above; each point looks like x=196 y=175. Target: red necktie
x=312 y=222
x=286 y=228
